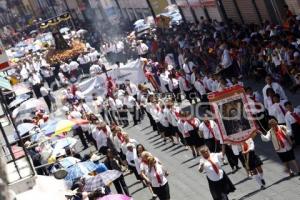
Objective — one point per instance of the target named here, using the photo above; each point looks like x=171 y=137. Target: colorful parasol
x=59 y=126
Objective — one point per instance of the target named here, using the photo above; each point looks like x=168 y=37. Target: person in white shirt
x=277 y=110
x=219 y=183
x=211 y=134
x=133 y=107
x=185 y=87
x=112 y=110
x=102 y=134
x=164 y=81
x=35 y=80
x=131 y=88
x=73 y=66
x=200 y=88
x=256 y=107
x=174 y=88
x=166 y=132
x=283 y=145
x=191 y=128
x=292 y=119
x=275 y=86
x=157 y=178
x=131 y=158
x=268 y=102
x=253 y=162
x=172 y=114
x=46 y=95
x=180 y=59
x=226 y=62
x=65 y=69
x=95 y=69
x=188 y=69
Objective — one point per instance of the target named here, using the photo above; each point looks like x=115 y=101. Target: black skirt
x=253 y=160
x=162 y=192
x=168 y=131
x=213 y=145
x=194 y=139
x=296 y=132
x=286 y=156
x=223 y=186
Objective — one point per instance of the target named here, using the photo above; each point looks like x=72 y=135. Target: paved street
x=187 y=183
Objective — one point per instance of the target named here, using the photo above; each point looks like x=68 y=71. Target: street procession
x=160 y=107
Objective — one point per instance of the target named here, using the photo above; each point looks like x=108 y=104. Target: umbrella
x=81 y=32
x=68 y=162
x=100 y=180
x=63 y=143
x=23 y=129
x=139 y=22
x=19 y=99
x=115 y=197
x=64 y=30
x=20 y=89
x=29 y=106
x=60 y=126
x=33 y=32
x=79 y=170
x=21 y=44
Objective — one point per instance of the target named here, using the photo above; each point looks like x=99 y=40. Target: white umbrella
x=81 y=31
x=64 y=30
x=25 y=128
x=63 y=143
x=19 y=99
x=29 y=106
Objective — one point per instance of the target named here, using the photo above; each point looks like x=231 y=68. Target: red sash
x=207 y=124
x=192 y=123
x=280 y=136
x=296 y=117
x=157 y=175
x=215 y=167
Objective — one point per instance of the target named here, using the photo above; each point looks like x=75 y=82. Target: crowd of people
x=183 y=65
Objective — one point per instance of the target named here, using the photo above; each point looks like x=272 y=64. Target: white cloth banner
x=132 y=71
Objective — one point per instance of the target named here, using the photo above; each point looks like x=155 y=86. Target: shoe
x=154 y=196
x=225 y=162
x=263 y=182
x=262 y=187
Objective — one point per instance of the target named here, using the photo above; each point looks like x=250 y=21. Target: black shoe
x=263 y=182
x=262 y=187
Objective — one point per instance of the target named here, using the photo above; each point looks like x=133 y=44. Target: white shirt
x=44 y=91
x=153 y=178
x=95 y=69
x=200 y=87
x=188 y=69
x=162 y=117
x=93 y=56
x=124 y=145
x=208 y=168
x=164 y=80
x=73 y=65
x=132 y=89
x=188 y=127
x=278 y=111
x=112 y=104
x=181 y=127
x=65 y=67
x=193 y=78
x=131 y=157
x=277 y=89
x=101 y=137
x=180 y=60
x=226 y=60
x=183 y=85
x=271 y=136
x=142 y=49
x=206 y=132
x=289 y=119
x=173 y=84
x=129 y=101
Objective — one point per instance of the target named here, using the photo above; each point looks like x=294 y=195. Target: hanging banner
x=132 y=71
x=230 y=110
x=4 y=64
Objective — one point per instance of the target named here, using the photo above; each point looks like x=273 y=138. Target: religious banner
x=235 y=121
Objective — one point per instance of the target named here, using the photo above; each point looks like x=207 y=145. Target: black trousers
x=152 y=121
x=48 y=102
x=121 y=186
x=124 y=117
x=133 y=169
x=111 y=116
x=36 y=90
x=232 y=159
x=177 y=94
x=135 y=115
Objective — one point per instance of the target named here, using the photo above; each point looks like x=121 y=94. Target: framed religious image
x=231 y=114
